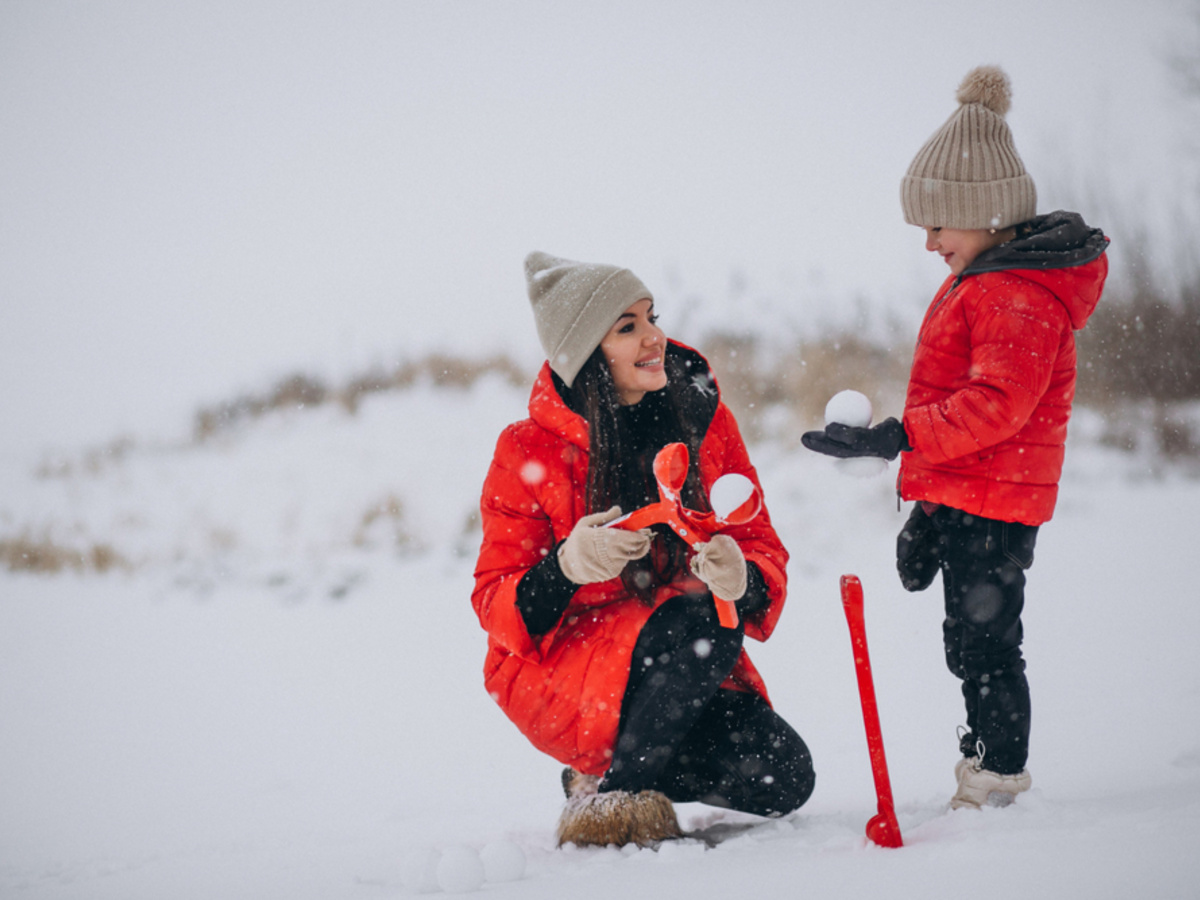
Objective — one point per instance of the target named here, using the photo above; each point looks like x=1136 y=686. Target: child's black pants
x=983 y=564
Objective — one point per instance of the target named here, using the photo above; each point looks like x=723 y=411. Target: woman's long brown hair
x=620 y=463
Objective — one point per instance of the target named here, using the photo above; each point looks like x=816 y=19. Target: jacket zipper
x=937 y=304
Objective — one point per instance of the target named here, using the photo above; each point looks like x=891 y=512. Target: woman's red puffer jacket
x=993 y=374
x=563 y=689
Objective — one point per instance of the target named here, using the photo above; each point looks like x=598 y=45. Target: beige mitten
x=594 y=553
x=721 y=565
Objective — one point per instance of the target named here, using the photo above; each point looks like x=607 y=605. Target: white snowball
x=460 y=870
x=503 y=861
x=420 y=871
x=849 y=408
x=729 y=492
x=862 y=466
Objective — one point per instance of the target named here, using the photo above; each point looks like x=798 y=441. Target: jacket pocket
x=1018 y=541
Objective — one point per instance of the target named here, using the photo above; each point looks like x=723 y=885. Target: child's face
x=959 y=247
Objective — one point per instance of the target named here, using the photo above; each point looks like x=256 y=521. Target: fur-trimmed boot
x=615 y=817
x=979 y=787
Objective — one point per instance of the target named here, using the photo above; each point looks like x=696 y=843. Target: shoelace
x=980 y=748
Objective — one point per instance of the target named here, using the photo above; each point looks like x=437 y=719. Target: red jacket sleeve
x=722 y=452
x=517 y=534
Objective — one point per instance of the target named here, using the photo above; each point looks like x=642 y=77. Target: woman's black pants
x=682 y=734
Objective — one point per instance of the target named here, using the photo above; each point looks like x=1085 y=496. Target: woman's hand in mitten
x=721 y=565
x=594 y=553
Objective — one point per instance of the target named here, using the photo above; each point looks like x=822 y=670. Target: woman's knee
x=783 y=790
x=772 y=784
x=796 y=778
x=770 y=767
x=796 y=795
x=687 y=625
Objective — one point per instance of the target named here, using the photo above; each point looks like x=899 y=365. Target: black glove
x=884 y=440
x=756 y=596
x=543 y=594
x=918 y=551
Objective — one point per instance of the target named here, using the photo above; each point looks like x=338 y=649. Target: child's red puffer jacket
x=993 y=373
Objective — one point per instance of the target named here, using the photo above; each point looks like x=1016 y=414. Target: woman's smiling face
x=634 y=349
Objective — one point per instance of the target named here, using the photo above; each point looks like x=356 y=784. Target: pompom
x=987 y=85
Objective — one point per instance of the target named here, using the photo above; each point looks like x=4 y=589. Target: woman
x=604 y=646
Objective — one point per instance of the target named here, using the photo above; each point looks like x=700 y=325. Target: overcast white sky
x=196 y=198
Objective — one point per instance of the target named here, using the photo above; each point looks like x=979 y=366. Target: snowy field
x=283 y=698
x=278 y=694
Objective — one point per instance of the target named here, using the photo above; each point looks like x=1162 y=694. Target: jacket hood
x=548 y=409
x=1060 y=252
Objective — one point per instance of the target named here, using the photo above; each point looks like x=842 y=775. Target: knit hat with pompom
x=968 y=175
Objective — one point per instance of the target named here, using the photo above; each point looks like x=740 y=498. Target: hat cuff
x=615 y=294
x=968 y=205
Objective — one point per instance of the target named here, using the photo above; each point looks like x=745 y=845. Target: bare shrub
x=384 y=522
x=755 y=380
x=294 y=391
x=45 y=556
x=298 y=391
x=93 y=461
x=1161 y=435
x=469 y=536
x=1177 y=437
x=439 y=369
x=1142 y=344
x=1139 y=356
x=303 y=391
x=375 y=382
x=453 y=371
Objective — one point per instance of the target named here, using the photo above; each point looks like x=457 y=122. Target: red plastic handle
x=883 y=828
x=670 y=471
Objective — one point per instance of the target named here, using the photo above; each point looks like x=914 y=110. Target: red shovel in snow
x=882 y=828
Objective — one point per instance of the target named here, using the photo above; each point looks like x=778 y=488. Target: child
x=604 y=646
x=985 y=417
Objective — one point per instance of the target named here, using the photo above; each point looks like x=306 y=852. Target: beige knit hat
x=574 y=305
x=968 y=175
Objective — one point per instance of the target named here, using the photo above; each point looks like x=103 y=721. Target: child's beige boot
x=979 y=787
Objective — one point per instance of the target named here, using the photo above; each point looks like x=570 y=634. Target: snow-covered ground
x=283 y=698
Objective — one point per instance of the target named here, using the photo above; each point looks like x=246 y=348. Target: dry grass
x=1143 y=345
x=753 y=381
x=44 y=556
x=1139 y=348
x=1139 y=356
x=1139 y=367
x=300 y=391
x=756 y=383
x=93 y=461
x=384 y=523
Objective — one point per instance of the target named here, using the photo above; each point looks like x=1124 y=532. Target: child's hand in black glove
x=918 y=551
x=884 y=440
